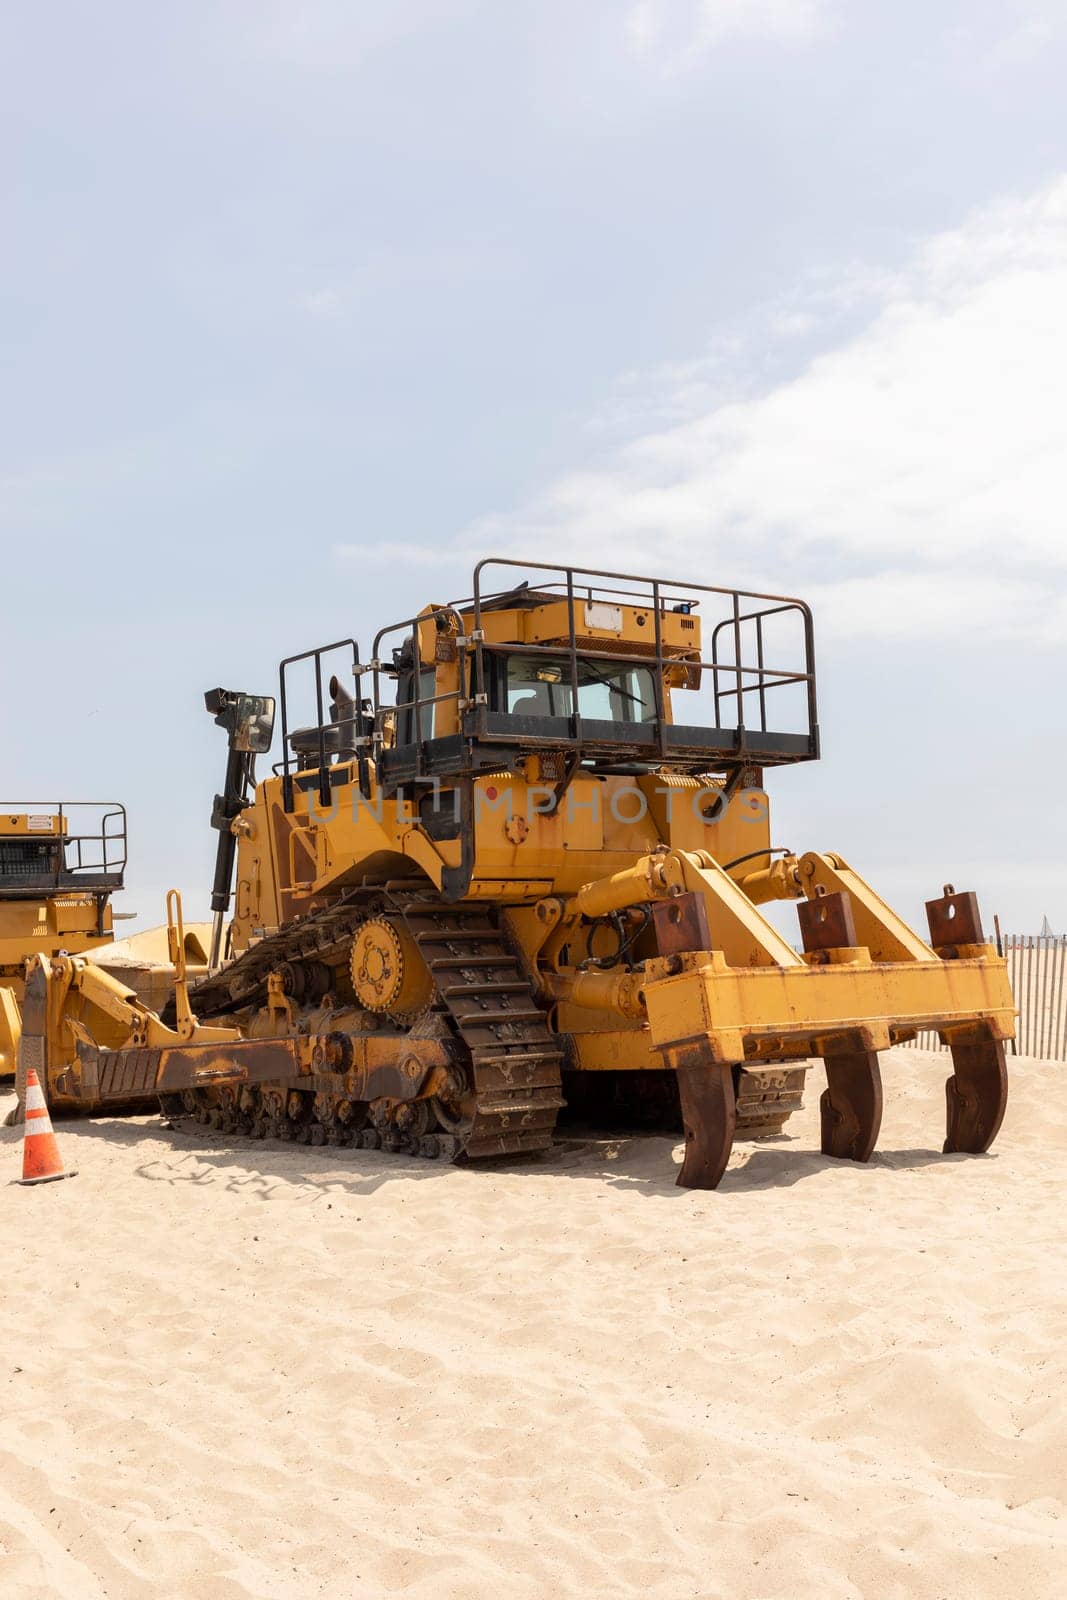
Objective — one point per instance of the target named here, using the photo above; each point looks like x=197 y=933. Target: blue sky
x=306 y=305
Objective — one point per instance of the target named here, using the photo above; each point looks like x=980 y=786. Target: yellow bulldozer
x=516 y=857
x=60 y=864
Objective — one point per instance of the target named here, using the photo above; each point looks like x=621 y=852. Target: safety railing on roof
x=62 y=846
x=739 y=668
x=747 y=681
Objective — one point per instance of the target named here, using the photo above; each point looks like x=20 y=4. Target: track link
x=515 y=1059
x=512 y=1058
x=323 y=935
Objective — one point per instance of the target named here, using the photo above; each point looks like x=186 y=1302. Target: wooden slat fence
x=1037 y=966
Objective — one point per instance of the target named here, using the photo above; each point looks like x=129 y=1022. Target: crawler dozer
x=516 y=858
x=60 y=863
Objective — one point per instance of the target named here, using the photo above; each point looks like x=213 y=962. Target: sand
x=235 y=1370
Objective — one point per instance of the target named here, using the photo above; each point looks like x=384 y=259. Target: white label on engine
x=38 y=823
x=599 y=615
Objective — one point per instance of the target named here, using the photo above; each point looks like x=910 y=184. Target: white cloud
x=670 y=36
x=320 y=302
x=479 y=259
x=916 y=475
x=1012 y=36
x=793 y=324
x=675 y=35
x=933 y=605
x=335 y=34
x=400 y=553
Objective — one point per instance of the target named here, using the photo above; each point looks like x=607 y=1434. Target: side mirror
x=247 y=718
x=255 y=724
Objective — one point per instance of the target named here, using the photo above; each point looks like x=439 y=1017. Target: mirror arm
x=226 y=707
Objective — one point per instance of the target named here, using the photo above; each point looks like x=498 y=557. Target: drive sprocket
x=388 y=972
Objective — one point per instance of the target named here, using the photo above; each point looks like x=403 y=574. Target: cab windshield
x=540 y=686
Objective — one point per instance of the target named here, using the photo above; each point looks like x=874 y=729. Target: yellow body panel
x=740 y=1010
x=287 y=864
x=52 y=923
x=10 y=1029
x=42 y=923
x=30 y=825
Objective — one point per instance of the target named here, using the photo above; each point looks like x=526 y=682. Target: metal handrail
x=760 y=686
x=593 y=572
x=735 y=677
x=460 y=695
x=650 y=593
x=107 y=864
x=289 y=763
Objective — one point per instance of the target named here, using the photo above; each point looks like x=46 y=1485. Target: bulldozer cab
x=585 y=669
x=539 y=686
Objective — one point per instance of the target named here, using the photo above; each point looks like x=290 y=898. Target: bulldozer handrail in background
x=92 y=860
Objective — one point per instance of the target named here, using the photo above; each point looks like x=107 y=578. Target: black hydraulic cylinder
x=227 y=806
x=248 y=721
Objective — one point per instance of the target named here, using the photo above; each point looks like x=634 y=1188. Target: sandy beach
x=234 y=1370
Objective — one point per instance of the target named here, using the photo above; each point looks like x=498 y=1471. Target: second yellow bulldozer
x=60 y=864
x=517 y=857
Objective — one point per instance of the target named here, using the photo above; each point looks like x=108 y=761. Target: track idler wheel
x=851 y=1105
x=709 y=1113
x=976 y=1095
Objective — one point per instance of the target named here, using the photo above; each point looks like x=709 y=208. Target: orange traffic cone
x=41 y=1160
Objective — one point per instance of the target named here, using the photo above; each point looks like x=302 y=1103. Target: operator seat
x=528 y=706
x=304 y=742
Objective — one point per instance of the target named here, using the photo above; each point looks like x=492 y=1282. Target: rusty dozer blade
x=851 y=1105
x=705 y=1086
x=724 y=982
x=976 y=1095
x=709 y=1112
x=33 y=1045
x=850 y=1109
